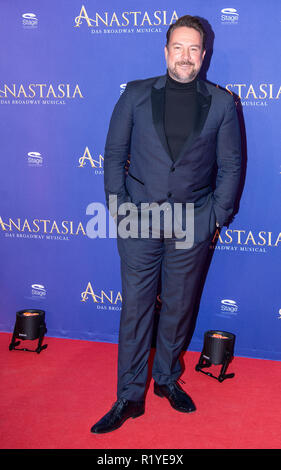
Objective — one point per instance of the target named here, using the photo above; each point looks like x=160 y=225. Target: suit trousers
x=143 y=263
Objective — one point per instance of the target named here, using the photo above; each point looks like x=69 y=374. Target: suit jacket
x=213 y=148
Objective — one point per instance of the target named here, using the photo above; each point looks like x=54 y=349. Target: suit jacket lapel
x=158 y=109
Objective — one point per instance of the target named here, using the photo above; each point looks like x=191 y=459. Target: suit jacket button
x=169 y=194
x=173 y=168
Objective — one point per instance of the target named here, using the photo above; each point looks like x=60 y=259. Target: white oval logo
x=228 y=302
x=38 y=286
x=34 y=154
x=29 y=16
x=229 y=11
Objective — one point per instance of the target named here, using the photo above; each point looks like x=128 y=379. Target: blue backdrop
x=64 y=64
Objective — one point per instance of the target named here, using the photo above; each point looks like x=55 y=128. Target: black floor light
x=218 y=348
x=30 y=324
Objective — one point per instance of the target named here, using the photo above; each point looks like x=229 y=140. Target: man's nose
x=185 y=54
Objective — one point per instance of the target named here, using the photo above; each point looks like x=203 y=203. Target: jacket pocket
x=136 y=179
x=200 y=189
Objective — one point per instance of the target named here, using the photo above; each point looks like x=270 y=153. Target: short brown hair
x=190 y=22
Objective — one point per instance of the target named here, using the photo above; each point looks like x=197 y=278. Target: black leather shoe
x=176 y=396
x=121 y=410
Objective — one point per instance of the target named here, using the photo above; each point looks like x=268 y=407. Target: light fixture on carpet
x=218 y=348
x=30 y=324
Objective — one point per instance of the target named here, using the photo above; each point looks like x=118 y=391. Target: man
x=178 y=130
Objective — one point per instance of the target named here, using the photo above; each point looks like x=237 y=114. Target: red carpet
x=50 y=400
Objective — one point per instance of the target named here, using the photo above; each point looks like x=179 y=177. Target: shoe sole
x=160 y=394
x=119 y=426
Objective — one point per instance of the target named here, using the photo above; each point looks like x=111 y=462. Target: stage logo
x=35 y=291
x=228 y=307
x=125 y=22
x=229 y=16
x=38 y=291
x=34 y=159
x=29 y=21
x=122 y=88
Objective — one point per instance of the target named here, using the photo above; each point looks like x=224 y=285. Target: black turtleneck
x=180 y=113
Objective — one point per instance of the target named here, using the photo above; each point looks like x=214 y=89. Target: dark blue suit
x=137 y=128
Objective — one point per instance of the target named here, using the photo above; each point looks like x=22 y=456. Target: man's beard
x=187 y=78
